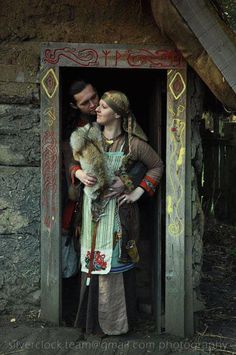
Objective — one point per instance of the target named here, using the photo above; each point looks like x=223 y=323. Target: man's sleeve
x=134 y=175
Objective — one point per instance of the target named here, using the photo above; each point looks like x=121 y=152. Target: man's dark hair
x=70 y=123
x=76 y=88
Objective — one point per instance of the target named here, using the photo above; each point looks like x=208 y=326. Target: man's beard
x=88 y=117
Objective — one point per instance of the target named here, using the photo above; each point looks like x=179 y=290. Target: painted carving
x=84 y=57
x=49 y=116
x=106 y=54
x=49 y=163
x=50 y=83
x=154 y=59
x=177 y=86
x=177 y=128
x=140 y=58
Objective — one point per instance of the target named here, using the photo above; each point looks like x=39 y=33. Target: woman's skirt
x=108 y=304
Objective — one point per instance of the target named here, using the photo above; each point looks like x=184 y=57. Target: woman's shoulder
x=136 y=141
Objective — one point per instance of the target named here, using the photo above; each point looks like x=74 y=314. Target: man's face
x=87 y=100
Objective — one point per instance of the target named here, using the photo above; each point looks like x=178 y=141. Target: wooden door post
x=50 y=203
x=175 y=202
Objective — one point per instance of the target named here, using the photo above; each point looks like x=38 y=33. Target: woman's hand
x=116 y=188
x=86 y=179
x=132 y=197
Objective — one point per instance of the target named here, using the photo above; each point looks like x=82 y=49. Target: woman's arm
x=142 y=151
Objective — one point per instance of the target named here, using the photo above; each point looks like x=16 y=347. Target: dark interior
x=146 y=90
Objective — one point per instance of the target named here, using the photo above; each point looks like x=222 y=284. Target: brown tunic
x=142 y=151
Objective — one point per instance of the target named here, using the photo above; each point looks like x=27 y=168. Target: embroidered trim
x=98 y=261
x=127 y=181
x=148 y=184
x=73 y=170
x=122 y=268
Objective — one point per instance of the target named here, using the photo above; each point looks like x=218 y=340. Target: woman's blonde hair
x=118 y=101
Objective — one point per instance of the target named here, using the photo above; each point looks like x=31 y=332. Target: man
x=83 y=100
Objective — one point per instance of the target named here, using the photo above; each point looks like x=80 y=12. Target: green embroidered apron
x=105 y=229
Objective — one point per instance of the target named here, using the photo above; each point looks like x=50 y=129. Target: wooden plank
x=175 y=202
x=206 y=26
x=50 y=187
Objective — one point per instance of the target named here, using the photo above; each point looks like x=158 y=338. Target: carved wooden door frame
x=56 y=55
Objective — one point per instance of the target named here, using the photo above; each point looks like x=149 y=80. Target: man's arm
x=128 y=181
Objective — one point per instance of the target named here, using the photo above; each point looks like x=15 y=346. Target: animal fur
x=86 y=143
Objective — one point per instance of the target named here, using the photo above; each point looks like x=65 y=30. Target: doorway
x=146 y=90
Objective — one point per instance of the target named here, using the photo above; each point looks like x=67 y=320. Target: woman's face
x=105 y=114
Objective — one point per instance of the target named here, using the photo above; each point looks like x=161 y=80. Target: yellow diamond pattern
x=176 y=93
x=50 y=83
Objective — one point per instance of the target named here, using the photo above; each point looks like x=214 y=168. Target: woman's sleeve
x=143 y=152
x=74 y=166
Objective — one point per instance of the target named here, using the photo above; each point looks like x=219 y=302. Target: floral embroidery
x=98 y=261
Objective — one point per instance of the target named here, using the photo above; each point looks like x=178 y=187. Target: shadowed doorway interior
x=146 y=90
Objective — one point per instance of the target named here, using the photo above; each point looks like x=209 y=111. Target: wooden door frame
x=56 y=55
x=178 y=293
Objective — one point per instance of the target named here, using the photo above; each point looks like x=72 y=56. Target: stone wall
x=19 y=179
x=23 y=27
x=19 y=206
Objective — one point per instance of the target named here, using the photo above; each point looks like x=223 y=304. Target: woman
x=110 y=223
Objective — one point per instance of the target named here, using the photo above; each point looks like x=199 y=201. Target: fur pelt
x=86 y=143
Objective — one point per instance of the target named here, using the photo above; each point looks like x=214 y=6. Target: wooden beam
x=175 y=202
x=205 y=23
x=50 y=202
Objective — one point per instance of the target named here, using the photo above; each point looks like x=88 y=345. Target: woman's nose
x=97 y=109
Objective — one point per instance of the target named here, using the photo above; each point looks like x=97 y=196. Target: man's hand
x=131 y=197
x=116 y=188
x=86 y=179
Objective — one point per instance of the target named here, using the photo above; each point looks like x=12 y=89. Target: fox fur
x=86 y=143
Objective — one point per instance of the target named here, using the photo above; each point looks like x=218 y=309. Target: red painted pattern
x=49 y=162
x=154 y=59
x=133 y=58
x=84 y=57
